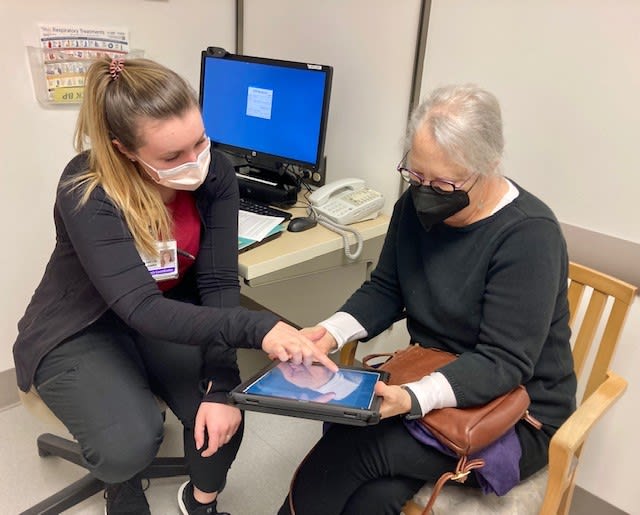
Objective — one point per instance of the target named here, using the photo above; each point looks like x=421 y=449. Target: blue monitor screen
x=265 y=108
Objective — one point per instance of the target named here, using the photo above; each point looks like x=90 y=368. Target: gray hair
x=465 y=122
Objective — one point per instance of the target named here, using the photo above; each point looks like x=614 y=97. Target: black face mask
x=433 y=208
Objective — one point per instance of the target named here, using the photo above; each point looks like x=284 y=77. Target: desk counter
x=302 y=253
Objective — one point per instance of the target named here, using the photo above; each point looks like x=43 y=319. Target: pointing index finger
x=325 y=360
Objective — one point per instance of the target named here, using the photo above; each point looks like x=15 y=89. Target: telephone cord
x=343 y=231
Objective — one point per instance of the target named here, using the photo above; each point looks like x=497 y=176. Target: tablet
x=343 y=397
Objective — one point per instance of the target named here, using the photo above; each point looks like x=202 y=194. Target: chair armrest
x=566 y=443
x=572 y=434
x=348 y=353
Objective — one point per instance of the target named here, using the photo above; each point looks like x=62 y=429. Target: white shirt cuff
x=433 y=392
x=344 y=328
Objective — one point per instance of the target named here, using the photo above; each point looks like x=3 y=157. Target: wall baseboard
x=585 y=503
x=8 y=389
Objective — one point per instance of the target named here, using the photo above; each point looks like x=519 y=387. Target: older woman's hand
x=286 y=343
x=395 y=400
x=321 y=337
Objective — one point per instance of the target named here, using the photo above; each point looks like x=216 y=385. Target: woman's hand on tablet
x=395 y=400
x=325 y=342
x=286 y=343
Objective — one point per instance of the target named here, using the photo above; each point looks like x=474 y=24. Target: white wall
x=567 y=76
x=565 y=72
x=370 y=44
x=36 y=142
x=614 y=443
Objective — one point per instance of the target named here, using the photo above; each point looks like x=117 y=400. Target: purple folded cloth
x=501 y=471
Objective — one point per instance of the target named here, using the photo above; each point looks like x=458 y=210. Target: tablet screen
x=347 y=387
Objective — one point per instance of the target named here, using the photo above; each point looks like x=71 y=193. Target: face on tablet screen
x=352 y=388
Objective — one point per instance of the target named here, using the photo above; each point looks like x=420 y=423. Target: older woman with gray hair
x=479 y=266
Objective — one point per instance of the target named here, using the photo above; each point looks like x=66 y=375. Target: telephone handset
x=346 y=201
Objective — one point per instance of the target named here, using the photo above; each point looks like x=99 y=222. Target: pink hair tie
x=115 y=68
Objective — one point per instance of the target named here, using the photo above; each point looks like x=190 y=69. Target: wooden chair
x=598 y=306
x=53 y=445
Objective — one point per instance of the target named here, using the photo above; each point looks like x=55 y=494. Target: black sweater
x=494 y=291
x=95 y=267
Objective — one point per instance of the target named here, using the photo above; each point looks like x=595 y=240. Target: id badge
x=165 y=266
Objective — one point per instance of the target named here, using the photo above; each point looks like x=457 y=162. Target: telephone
x=346 y=201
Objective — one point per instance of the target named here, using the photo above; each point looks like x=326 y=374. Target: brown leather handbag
x=463 y=430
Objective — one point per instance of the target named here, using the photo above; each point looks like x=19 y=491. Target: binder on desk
x=245 y=244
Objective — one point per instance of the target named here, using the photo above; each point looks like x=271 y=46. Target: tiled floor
x=257 y=484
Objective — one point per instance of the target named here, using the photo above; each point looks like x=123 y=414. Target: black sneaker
x=126 y=498
x=189 y=505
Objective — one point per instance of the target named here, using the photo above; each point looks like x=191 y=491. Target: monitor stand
x=280 y=177
x=267 y=186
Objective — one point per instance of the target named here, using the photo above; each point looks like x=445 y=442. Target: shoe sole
x=183 y=508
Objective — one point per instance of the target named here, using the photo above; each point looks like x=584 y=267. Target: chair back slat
x=587 y=331
x=602 y=282
x=602 y=287
x=607 y=346
x=576 y=290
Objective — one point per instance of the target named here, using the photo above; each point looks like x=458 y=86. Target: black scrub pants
x=101 y=384
x=374 y=470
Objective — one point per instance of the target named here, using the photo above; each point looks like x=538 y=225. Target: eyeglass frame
x=420 y=180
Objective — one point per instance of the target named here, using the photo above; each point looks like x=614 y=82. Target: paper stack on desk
x=254 y=228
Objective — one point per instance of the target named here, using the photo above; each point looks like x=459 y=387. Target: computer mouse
x=301 y=223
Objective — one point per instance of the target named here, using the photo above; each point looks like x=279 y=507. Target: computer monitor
x=268 y=112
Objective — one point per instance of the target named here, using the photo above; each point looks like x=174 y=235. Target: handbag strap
x=369 y=357
x=463 y=469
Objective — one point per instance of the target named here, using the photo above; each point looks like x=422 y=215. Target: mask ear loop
x=474 y=182
x=481 y=202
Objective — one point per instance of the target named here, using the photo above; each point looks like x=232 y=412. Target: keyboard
x=259 y=208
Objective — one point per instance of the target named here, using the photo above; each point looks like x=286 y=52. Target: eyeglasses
x=442 y=186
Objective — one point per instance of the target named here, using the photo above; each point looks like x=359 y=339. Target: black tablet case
x=307 y=409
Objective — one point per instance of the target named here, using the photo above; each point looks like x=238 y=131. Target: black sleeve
x=377 y=304
x=106 y=250
x=222 y=382
x=416 y=410
x=527 y=275
x=217 y=270
x=217 y=263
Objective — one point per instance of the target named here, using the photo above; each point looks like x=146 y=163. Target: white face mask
x=187 y=176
